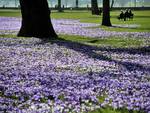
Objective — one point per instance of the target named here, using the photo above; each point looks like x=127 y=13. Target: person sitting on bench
x=121 y=16
x=130 y=14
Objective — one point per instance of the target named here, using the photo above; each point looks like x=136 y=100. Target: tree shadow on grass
x=124 y=27
x=90 y=51
x=142 y=16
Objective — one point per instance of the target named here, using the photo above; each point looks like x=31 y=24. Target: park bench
x=126 y=16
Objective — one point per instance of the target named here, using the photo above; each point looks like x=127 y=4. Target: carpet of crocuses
x=65 y=77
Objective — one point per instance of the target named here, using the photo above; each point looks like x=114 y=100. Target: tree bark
x=77 y=3
x=59 y=6
x=66 y=3
x=112 y=4
x=36 y=20
x=94 y=7
x=134 y=3
x=106 y=13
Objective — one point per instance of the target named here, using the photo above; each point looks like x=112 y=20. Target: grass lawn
x=141 y=19
x=114 y=42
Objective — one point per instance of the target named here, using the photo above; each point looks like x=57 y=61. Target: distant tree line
x=83 y=3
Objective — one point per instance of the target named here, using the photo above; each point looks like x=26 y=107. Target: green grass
x=111 y=110
x=10 y=13
x=8 y=36
x=111 y=41
x=115 y=42
x=141 y=18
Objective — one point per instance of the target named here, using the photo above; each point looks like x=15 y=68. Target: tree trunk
x=134 y=3
x=59 y=6
x=94 y=7
x=77 y=3
x=106 y=13
x=66 y=3
x=112 y=4
x=36 y=20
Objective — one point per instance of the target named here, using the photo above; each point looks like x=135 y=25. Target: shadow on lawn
x=143 y=16
x=91 y=52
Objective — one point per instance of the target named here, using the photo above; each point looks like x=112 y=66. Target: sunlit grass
x=112 y=110
x=115 y=42
x=111 y=41
x=141 y=18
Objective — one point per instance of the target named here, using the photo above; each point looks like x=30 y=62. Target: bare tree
x=121 y=2
x=66 y=3
x=77 y=3
x=112 y=4
x=94 y=7
x=106 y=13
x=59 y=6
x=36 y=20
x=134 y=3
